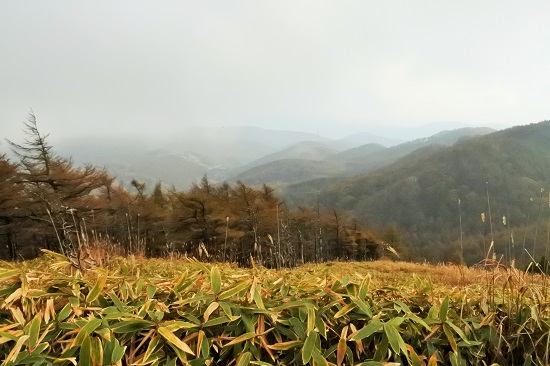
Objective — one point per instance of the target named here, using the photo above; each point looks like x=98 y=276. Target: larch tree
x=12 y=201
x=62 y=193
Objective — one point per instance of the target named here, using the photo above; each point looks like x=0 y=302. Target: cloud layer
x=113 y=67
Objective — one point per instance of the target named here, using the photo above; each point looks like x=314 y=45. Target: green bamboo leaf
x=460 y=332
x=34 y=331
x=258 y=297
x=108 y=348
x=96 y=351
x=371 y=328
x=118 y=353
x=84 y=357
x=363 y=287
x=345 y=309
x=298 y=327
x=400 y=306
x=216 y=280
x=233 y=291
x=363 y=307
x=66 y=359
x=309 y=344
x=216 y=321
x=64 y=313
x=415 y=360
x=396 y=321
x=244 y=359
x=40 y=348
x=444 y=309
x=382 y=349
x=284 y=346
x=318 y=358
x=241 y=338
x=453 y=357
x=249 y=322
x=175 y=325
x=88 y=328
x=116 y=301
x=310 y=320
x=394 y=338
x=203 y=344
x=420 y=321
x=96 y=290
x=450 y=337
x=321 y=326
x=226 y=308
x=151 y=290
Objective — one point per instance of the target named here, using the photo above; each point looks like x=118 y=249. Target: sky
x=330 y=67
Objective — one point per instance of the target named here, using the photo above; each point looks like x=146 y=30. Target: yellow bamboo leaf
x=16 y=295
x=18 y=316
x=210 y=309
x=175 y=341
x=341 y=351
x=15 y=350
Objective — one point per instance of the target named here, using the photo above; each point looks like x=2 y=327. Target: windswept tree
x=59 y=192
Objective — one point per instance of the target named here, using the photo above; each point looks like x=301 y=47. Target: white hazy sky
x=336 y=67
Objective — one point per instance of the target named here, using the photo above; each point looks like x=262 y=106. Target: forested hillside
x=303 y=162
x=46 y=201
x=420 y=195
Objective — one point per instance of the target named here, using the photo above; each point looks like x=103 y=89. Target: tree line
x=46 y=202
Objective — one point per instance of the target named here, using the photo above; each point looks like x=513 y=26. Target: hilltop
x=311 y=160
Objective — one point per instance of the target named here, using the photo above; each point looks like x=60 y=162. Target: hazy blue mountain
x=358 y=153
x=306 y=150
x=283 y=165
x=364 y=138
x=287 y=171
x=182 y=157
x=223 y=153
x=406 y=133
x=370 y=157
x=419 y=192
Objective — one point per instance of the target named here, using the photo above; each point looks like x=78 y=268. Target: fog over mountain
x=391 y=69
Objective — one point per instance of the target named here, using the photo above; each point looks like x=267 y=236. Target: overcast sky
x=336 y=67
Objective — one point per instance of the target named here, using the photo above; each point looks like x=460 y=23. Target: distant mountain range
x=419 y=191
x=320 y=161
x=187 y=155
x=250 y=154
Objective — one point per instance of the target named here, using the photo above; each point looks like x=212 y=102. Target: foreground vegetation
x=135 y=311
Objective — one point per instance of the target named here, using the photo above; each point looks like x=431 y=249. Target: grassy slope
x=338 y=313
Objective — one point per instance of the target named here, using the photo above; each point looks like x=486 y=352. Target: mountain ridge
x=419 y=192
